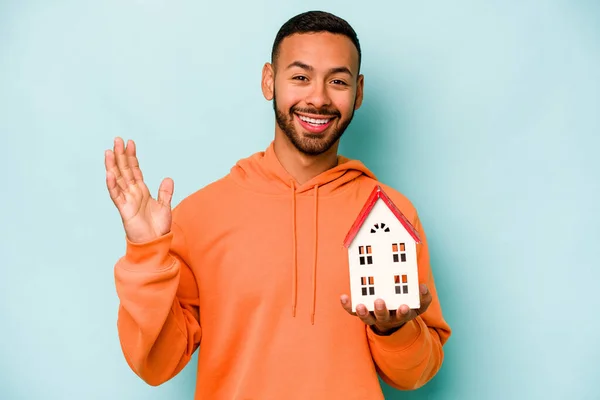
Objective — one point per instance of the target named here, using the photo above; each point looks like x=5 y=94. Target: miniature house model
x=382 y=255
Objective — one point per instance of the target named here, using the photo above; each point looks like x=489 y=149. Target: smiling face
x=315 y=87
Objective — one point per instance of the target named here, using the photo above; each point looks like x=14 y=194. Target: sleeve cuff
x=153 y=254
x=400 y=340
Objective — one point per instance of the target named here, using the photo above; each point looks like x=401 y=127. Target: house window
x=399 y=252
x=367 y=285
x=401 y=282
x=365 y=255
x=377 y=227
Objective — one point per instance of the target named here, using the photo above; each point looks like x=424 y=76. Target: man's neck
x=300 y=166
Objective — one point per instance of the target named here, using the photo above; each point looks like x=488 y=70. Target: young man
x=251 y=268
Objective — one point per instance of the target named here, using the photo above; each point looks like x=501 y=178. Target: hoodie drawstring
x=314 y=271
x=295 y=254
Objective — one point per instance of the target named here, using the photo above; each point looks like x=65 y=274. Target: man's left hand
x=382 y=320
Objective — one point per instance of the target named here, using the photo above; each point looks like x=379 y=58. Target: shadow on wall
x=364 y=139
x=379 y=136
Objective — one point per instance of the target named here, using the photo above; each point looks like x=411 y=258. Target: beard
x=307 y=142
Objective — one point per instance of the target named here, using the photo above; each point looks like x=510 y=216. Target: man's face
x=315 y=89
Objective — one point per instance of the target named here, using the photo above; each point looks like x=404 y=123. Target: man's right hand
x=144 y=218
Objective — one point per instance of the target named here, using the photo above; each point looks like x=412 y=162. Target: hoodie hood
x=264 y=173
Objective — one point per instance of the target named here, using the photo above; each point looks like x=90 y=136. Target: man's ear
x=268 y=81
x=359 y=91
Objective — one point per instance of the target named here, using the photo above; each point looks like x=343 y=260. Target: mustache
x=316 y=111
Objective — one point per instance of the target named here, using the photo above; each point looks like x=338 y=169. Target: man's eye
x=338 y=82
x=300 y=78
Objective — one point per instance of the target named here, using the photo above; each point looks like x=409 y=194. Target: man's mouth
x=314 y=125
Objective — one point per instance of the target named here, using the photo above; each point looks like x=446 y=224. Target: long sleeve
x=410 y=357
x=158 y=318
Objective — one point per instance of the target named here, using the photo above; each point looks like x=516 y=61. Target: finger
x=365 y=315
x=133 y=162
x=112 y=165
x=116 y=194
x=165 y=192
x=122 y=164
x=403 y=314
x=111 y=180
x=426 y=299
x=382 y=315
x=109 y=162
x=346 y=304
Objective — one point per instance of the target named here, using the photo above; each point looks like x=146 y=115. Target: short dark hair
x=314 y=22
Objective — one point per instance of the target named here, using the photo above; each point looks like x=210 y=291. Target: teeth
x=314 y=121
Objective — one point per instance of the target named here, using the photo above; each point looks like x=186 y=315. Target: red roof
x=377 y=194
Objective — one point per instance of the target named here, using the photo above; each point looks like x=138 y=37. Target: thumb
x=165 y=192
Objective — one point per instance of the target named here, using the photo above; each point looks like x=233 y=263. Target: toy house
x=382 y=255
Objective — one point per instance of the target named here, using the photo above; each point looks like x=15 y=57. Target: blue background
x=485 y=114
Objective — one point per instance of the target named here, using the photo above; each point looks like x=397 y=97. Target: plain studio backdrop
x=485 y=114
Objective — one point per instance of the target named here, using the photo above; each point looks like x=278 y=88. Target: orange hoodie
x=251 y=273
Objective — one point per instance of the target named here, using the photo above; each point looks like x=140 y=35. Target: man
x=251 y=269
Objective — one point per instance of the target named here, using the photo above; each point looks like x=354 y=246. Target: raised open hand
x=144 y=218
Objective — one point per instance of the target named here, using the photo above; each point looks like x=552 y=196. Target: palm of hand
x=144 y=218
x=148 y=222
